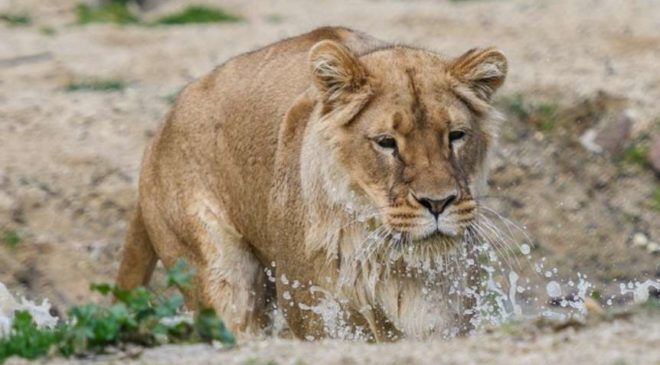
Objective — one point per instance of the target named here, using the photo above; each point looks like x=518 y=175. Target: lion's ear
x=484 y=70
x=336 y=71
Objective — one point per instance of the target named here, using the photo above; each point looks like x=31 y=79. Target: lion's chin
x=436 y=241
x=436 y=237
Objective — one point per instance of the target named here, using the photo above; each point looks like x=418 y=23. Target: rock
x=639 y=239
x=611 y=134
x=612 y=137
x=588 y=141
x=653 y=247
x=654 y=154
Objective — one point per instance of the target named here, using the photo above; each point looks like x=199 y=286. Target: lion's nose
x=436 y=206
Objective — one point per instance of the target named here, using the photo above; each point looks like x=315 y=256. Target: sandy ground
x=69 y=160
x=625 y=341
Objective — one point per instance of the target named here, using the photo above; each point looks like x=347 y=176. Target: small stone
x=612 y=138
x=654 y=154
x=653 y=247
x=639 y=239
x=588 y=141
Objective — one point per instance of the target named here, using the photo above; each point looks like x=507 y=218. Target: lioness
x=328 y=175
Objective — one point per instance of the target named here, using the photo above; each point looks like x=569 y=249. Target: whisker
x=508 y=223
x=500 y=237
x=496 y=245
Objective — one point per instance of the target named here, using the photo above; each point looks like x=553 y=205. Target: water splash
x=639 y=290
x=9 y=305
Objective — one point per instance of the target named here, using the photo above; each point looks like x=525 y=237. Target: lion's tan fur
x=267 y=178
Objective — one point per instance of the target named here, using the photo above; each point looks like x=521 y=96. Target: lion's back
x=222 y=132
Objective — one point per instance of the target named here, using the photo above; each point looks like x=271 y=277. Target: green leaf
x=168 y=307
x=104 y=288
x=180 y=274
x=210 y=327
x=27 y=340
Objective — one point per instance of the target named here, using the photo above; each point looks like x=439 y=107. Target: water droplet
x=525 y=249
x=553 y=289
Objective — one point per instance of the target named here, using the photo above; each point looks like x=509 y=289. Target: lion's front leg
x=301 y=304
x=314 y=312
x=234 y=284
x=229 y=277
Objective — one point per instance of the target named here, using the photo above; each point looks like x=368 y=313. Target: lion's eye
x=456 y=136
x=386 y=142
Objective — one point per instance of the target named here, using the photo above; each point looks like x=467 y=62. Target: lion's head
x=411 y=129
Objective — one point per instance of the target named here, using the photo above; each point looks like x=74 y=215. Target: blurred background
x=84 y=85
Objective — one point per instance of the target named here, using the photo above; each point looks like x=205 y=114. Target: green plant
x=11 y=238
x=16 y=19
x=655 y=198
x=179 y=275
x=138 y=316
x=515 y=106
x=511 y=328
x=198 y=14
x=96 y=85
x=546 y=115
x=29 y=341
x=635 y=154
x=47 y=30
x=543 y=116
x=653 y=303
x=111 y=12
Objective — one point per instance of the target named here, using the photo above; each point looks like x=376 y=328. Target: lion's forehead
x=415 y=92
x=405 y=114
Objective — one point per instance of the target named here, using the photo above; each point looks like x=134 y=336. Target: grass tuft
x=47 y=30
x=113 y=12
x=546 y=115
x=118 y=12
x=655 y=198
x=543 y=116
x=138 y=316
x=16 y=19
x=636 y=154
x=198 y=14
x=96 y=85
x=11 y=238
x=515 y=106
